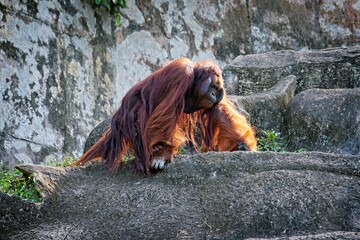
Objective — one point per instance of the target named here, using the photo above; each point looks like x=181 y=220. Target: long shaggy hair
x=152 y=112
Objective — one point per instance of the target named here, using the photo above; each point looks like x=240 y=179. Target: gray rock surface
x=325 y=120
x=323 y=116
x=214 y=195
x=64 y=68
x=267 y=109
x=327 y=68
x=96 y=133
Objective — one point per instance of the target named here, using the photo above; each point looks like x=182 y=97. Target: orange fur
x=231 y=127
x=152 y=122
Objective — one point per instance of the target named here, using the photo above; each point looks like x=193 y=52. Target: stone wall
x=63 y=68
x=316 y=108
x=56 y=79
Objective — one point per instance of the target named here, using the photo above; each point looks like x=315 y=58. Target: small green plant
x=113 y=7
x=67 y=160
x=182 y=150
x=301 y=150
x=15 y=183
x=270 y=141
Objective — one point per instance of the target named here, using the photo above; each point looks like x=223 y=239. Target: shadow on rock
x=214 y=195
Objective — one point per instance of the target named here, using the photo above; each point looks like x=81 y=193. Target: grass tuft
x=14 y=182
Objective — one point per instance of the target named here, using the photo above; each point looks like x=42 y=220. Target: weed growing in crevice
x=14 y=182
x=270 y=141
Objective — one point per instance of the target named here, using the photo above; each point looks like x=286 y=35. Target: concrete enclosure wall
x=64 y=68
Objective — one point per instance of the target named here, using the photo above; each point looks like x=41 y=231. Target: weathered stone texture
x=64 y=68
x=267 y=110
x=285 y=24
x=54 y=84
x=96 y=133
x=326 y=120
x=207 y=196
x=327 y=68
x=324 y=114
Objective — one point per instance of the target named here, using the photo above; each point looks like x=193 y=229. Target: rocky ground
x=208 y=196
x=311 y=96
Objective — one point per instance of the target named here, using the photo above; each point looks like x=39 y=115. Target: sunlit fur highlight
x=152 y=113
x=231 y=128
